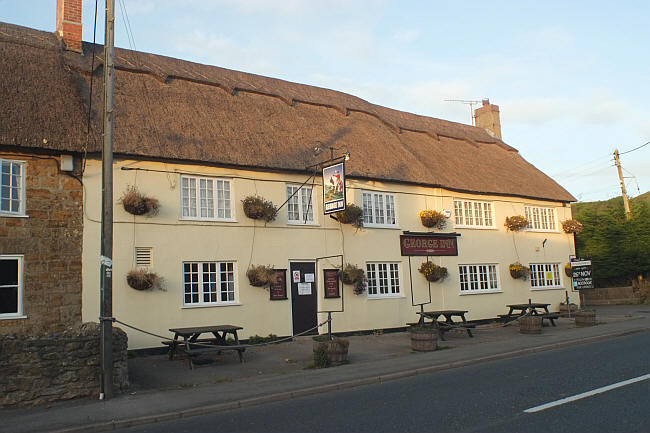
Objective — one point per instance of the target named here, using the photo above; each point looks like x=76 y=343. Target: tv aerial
x=467 y=102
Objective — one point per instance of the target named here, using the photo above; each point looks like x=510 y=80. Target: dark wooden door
x=304 y=301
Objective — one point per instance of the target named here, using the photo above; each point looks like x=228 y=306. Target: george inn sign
x=429 y=244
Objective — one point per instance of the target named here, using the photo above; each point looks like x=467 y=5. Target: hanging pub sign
x=331 y=283
x=581 y=274
x=428 y=245
x=334 y=188
x=278 y=288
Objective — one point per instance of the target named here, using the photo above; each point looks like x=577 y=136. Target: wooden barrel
x=337 y=351
x=424 y=340
x=530 y=325
x=585 y=317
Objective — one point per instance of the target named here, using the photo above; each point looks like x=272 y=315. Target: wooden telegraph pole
x=106 y=258
x=626 y=201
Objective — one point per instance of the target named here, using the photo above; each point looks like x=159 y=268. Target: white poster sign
x=296 y=276
x=309 y=278
x=304 y=288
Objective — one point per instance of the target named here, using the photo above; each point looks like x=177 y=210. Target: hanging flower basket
x=136 y=203
x=567 y=270
x=260 y=275
x=516 y=223
x=355 y=276
x=519 y=271
x=257 y=208
x=433 y=272
x=433 y=219
x=572 y=226
x=352 y=214
x=143 y=279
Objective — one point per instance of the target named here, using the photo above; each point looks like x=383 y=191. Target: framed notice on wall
x=278 y=287
x=331 y=281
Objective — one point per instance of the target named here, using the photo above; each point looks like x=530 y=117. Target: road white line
x=587 y=394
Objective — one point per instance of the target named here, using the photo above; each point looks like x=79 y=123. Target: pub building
x=201 y=139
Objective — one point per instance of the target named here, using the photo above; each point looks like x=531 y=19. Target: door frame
x=315 y=288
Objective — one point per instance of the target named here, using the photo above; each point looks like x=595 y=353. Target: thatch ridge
x=179 y=110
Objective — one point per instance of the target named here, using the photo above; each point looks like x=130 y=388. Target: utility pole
x=106 y=258
x=626 y=201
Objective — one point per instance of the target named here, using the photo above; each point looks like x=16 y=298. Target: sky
x=571 y=78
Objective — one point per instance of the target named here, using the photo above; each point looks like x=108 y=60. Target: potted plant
x=423 y=338
x=585 y=317
x=567 y=270
x=143 y=279
x=256 y=207
x=136 y=203
x=355 y=276
x=260 y=275
x=330 y=352
x=517 y=270
x=352 y=214
x=516 y=223
x=530 y=324
x=433 y=219
x=433 y=272
x=572 y=226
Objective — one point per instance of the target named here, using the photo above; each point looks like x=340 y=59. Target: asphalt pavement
x=166 y=390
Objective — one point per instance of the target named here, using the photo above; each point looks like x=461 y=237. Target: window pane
x=394 y=278
x=307 y=208
x=372 y=279
x=469 y=219
x=462 y=272
x=9 y=272
x=292 y=205
x=390 y=209
x=383 y=278
x=487 y=213
x=367 y=208
x=379 y=208
x=8 y=300
x=478 y=214
x=458 y=212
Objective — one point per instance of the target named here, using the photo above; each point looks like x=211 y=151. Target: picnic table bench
x=188 y=341
x=531 y=308
x=448 y=323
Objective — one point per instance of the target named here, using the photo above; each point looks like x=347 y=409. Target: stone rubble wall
x=60 y=366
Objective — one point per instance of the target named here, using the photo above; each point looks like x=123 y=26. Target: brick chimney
x=487 y=117
x=68 y=23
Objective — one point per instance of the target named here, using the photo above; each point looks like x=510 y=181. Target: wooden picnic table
x=532 y=309
x=189 y=341
x=448 y=323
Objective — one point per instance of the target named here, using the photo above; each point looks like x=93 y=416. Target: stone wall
x=58 y=366
x=50 y=239
x=611 y=296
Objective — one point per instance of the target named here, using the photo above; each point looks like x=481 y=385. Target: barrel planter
x=585 y=317
x=423 y=338
x=326 y=352
x=564 y=310
x=530 y=325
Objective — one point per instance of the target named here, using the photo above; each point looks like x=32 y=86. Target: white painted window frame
x=392 y=282
x=213 y=198
x=538 y=216
x=200 y=273
x=467 y=212
x=19 y=287
x=471 y=275
x=379 y=202
x=21 y=193
x=303 y=196
x=555 y=282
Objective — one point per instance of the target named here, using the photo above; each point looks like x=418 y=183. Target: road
x=481 y=398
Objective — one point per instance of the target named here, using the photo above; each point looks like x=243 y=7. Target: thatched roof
x=172 y=109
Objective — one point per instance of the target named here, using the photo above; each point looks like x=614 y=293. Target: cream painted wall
x=246 y=241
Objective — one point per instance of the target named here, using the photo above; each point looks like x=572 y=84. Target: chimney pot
x=486 y=102
x=487 y=117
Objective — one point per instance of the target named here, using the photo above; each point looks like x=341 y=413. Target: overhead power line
x=636 y=148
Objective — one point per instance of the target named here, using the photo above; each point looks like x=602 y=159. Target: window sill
x=475 y=227
x=537 y=289
x=191 y=307
x=375 y=297
x=12 y=215
x=12 y=317
x=381 y=226
x=480 y=292
x=207 y=220
x=300 y=223
x=541 y=231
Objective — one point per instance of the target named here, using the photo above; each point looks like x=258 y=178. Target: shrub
x=136 y=203
x=432 y=218
x=143 y=279
x=260 y=276
x=516 y=223
x=352 y=214
x=517 y=270
x=257 y=208
x=433 y=272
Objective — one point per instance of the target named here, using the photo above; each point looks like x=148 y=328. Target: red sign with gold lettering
x=331 y=283
x=423 y=245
